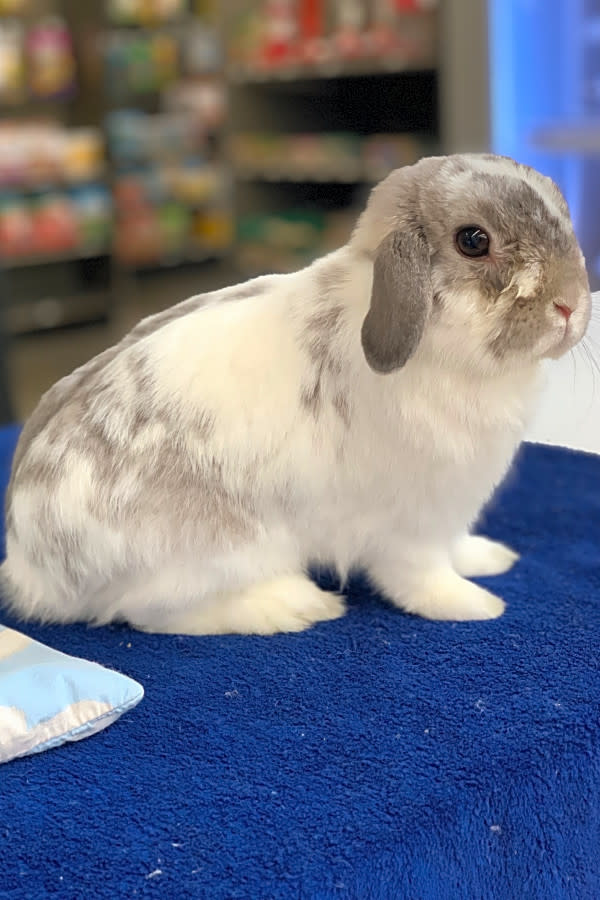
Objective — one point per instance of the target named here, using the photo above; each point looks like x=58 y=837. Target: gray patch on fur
x=310 y=396
x=320 y=391
x=65 y=389
x=401 y=299
x=187 y=493
x=172 y=487
x=518 y=213
x=318 y=337
x=341 y=405
x=74 y=419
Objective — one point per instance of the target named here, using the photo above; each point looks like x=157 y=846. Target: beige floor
x=37 y=361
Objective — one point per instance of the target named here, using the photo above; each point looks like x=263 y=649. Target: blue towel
x=378 y=757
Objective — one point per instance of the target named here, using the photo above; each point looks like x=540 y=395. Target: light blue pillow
x=47 y=697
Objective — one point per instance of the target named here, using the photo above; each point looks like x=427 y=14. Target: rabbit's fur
x=358 y=412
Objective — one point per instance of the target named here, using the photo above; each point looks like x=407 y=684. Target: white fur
x=474 y=555
x=393 y=486
x=425 y=448
x=285 y=603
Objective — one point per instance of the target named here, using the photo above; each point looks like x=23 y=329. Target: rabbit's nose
x=566 y=311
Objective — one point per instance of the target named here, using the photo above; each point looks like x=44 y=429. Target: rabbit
x=357 y=413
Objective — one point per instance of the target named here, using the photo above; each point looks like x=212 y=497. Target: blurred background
x=153 y=149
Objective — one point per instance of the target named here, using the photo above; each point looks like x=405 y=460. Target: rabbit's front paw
x=285 y=603
x=446 y=596
x=474 y=556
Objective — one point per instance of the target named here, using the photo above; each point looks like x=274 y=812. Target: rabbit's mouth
x=564 y=345
x=574 y=329
x=570 y=316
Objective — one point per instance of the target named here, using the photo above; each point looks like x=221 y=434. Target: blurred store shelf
x=324 y=100
x=55 y=312
x=38 y=360
x=319 y=177
x=44 y=259
x=170 y=87
x=391 y=65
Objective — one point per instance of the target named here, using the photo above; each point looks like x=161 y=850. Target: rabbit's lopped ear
x=401 y=300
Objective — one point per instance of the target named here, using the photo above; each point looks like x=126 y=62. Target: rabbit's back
x=143 y=451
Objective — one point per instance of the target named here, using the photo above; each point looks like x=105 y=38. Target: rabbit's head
x=475 y=261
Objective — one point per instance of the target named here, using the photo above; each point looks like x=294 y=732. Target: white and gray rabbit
x=357 y=413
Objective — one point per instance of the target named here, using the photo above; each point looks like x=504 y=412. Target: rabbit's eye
x=472 y=241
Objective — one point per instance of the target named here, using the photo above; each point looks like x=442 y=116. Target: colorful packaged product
x=54 y=223
x=144 y=12
x=15 y=227
x=201 y=50
x=12 y=71
x=50 y=59
x=92 y=205
x=14 y=7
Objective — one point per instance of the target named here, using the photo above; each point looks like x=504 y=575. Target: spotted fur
x=186 y=478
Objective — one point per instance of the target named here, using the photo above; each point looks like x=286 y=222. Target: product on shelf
x=203 y=103
x=383 y=33
x=52 y=203
x=207 y=10
x=288 y=240
x=171 y=191
x=55 y=223
x=211 y=228
x=144 y=12
x=350 y=32
x=311 y=24
x=323 y=157
x=415 y=5
x=12 y=63
x=286 y=35
x=318 y=156
x=138 y=239
x=280 y=31
x=92 y=205
x=140 y=63
x=15 y=227
x=194 y=182
x=135 y=136
x=29 y=154
x=201 y=50
x=174 y=219
x=35 y=153
x=170 y=233
x=13 y=7
x=36 y=62
x=291 y=238
x=82 y=154
x=171 y=212
x=381 y=153
x=50 y=59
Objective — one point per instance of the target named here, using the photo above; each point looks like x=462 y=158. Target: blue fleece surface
x=379 y=756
